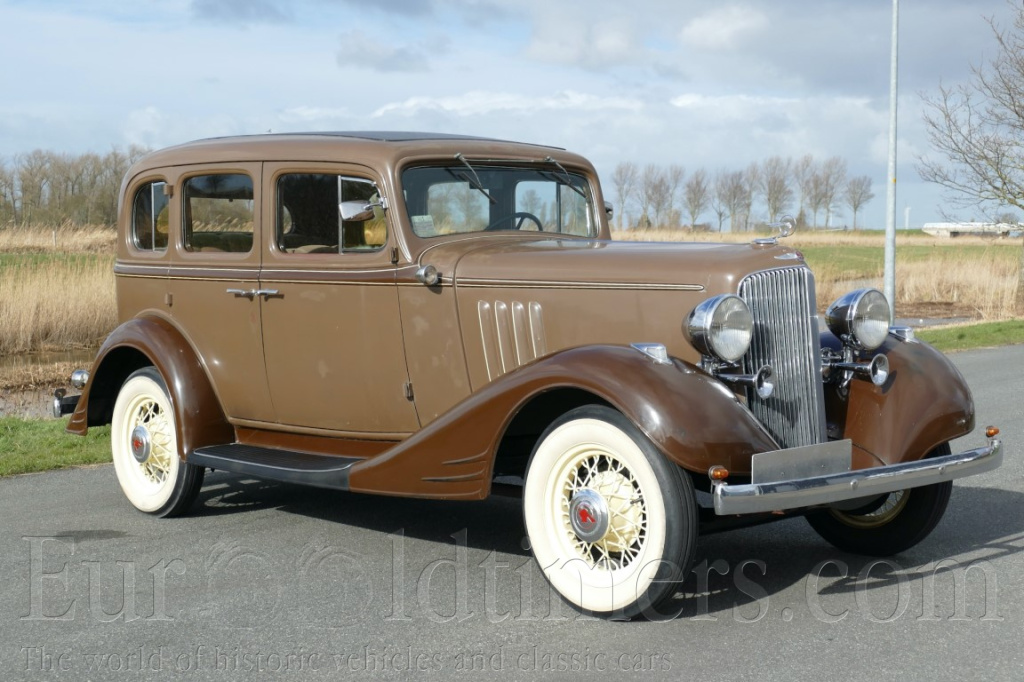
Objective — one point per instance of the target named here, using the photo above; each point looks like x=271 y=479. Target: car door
x=332 y=332
x=213 y=278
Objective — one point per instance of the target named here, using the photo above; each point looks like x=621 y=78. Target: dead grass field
x=969 y=277
x=57 y=298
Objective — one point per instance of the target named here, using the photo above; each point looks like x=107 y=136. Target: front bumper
x=848 y=485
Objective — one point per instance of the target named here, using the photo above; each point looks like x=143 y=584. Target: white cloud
x=481 y=102
x=362 y=50
x=724 y=28
x=563 y=36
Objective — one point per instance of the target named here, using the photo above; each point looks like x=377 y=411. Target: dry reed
x=57 y=303
x=950 y=281
x=54 y=299
x=57 y=239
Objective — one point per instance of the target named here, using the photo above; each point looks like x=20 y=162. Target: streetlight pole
x=890 y=218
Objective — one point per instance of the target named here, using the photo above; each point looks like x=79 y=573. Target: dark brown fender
x=144 y=341
x=924 y=403
x=690 y=417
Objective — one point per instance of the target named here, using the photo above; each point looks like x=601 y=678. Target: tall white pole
x=890 y=217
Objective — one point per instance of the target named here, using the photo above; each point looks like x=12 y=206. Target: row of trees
x=44 y=187
x=656 y=196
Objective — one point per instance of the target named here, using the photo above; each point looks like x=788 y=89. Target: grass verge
x=983 y=335
x=28 y=445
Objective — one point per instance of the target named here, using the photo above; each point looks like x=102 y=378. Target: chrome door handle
x=247 y=293
x=265 y=292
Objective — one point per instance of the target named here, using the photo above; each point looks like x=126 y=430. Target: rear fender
x=141 y=342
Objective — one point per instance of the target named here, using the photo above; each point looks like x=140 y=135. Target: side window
x=149 y=217
x=218 y=213
x=309 y=214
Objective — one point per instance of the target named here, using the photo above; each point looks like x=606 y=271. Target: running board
x=304 y=468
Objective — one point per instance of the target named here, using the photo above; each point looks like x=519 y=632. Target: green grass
x=37 y=259
x=28 y=445
x=862 y=262
x=983 y=335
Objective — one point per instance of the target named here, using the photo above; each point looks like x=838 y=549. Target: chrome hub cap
x=603 y=511
x=141 y=444
x=588 y=515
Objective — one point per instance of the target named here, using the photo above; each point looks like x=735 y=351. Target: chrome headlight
x=862 y=317
x=721 y=327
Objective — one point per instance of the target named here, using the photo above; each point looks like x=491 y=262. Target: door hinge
x=408 y=391
x=394 y=255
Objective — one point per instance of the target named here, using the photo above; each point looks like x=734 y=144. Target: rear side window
x=218 y=213
x=149 y=217
x=328 y=213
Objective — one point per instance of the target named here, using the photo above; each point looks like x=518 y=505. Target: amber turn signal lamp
x=991 y=431
x=718 y=473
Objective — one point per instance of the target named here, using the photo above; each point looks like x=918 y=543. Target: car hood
x=519 y=262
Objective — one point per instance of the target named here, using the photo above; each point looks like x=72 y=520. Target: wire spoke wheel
x=144 y=446
x=611 y=522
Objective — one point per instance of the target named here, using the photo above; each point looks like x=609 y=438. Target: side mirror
x=356 y=210
x=609 y=209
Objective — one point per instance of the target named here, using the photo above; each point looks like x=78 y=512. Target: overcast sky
x=700 y=83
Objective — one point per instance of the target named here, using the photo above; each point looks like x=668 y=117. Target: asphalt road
x=270 y=581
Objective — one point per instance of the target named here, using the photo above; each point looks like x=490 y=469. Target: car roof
x=372 y=147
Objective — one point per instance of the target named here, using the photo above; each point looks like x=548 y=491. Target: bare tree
x=833 y=179
x=775 y=185
x=655 y=197
x=977 y=129
x=735 y=198
x=8 y=196
x=857 y=193
x=624 y=180
x=696 y=195
x=803 y=173
x=718 y=198
x=674 y=176
x=751 y=185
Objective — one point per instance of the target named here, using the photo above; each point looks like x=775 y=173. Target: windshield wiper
x=566 y=178
x=474 y=182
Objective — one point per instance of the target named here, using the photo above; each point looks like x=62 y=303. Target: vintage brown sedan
x=446 y=317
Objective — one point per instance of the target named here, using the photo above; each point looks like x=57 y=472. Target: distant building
x=945 y=230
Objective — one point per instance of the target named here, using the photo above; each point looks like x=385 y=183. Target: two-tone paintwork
x=429 y=386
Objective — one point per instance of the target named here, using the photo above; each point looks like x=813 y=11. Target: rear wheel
x=144 y=446
x=611 y=522
x=890 y=525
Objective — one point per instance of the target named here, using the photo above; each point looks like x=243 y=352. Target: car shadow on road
x=734 y=572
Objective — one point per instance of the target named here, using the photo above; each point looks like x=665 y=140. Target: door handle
x=253 y=293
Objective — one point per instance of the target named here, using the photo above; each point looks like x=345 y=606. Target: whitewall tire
x=611 y=522
x=144 y=446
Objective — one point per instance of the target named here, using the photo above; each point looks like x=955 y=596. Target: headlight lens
x=862 y=316
x=721 y=327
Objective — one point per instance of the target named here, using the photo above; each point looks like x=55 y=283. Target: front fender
x=924 y=403
x=140 y=342
x=694 y=420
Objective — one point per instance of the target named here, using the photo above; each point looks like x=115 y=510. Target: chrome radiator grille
x=786 y=338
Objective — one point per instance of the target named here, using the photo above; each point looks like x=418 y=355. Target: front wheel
x=890 y=525
x=144 y=446
x=611 y=522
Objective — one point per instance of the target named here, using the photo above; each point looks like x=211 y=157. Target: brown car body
x=435 y=389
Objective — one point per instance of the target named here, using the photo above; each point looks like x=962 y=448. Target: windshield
x=460 y=198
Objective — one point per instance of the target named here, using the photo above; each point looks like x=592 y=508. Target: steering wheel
x=521 y=215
